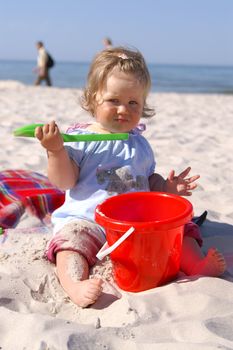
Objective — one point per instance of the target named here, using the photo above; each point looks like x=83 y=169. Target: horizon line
x=149 y=63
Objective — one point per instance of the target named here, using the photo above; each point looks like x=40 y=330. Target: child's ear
x=98 y=97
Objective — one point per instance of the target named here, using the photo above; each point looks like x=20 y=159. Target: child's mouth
x=121 y=120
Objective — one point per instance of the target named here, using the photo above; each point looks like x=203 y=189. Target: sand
x=190 y=312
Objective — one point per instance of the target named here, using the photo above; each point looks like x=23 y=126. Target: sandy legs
x=73 y=270
x=73 y=273
x=194 y=262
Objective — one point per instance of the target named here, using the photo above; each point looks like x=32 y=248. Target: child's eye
x=113 y=100
x=133 y=102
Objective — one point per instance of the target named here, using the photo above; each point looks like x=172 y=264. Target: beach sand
x=189 y=313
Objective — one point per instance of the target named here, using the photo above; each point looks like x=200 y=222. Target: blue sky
x=166 y=31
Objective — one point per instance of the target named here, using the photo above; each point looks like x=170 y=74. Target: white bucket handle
x=105 y=250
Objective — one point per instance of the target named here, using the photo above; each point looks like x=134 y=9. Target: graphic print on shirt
x=120 y=180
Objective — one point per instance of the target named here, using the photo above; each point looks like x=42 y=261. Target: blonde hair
x=120 y=58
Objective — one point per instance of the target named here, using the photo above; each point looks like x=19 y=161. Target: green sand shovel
x=28 y=131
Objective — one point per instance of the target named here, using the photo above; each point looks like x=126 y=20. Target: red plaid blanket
x=22 y=189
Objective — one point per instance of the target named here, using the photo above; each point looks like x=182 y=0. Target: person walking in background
x=107 y=42
x=44 y=63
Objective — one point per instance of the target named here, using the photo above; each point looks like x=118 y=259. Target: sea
x=165 y=77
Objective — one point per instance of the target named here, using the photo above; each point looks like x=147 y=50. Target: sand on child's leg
x=73 y=273
x=194 y=262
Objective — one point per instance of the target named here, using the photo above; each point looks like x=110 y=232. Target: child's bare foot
x=212 y=265
x=86 y=292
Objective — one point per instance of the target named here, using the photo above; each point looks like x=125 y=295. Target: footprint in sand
x=13 y=305
x=221 y=326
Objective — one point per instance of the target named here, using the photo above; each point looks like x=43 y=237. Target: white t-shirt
x=42 y=57
x=107 y=168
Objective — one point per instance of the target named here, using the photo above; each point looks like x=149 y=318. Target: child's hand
x=49 y=137
x=180 y=184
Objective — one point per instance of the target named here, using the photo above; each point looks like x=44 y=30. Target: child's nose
x=122 y=108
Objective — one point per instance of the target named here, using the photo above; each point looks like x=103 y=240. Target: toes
x=97 y=281
x=95 y=289
x=216 y=254
x=218 y=258
x=212 y=251
x=87 y=292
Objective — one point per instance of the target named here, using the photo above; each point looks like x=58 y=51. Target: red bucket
x=150 y=256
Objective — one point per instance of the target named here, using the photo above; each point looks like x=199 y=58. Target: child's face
x=120 y=103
